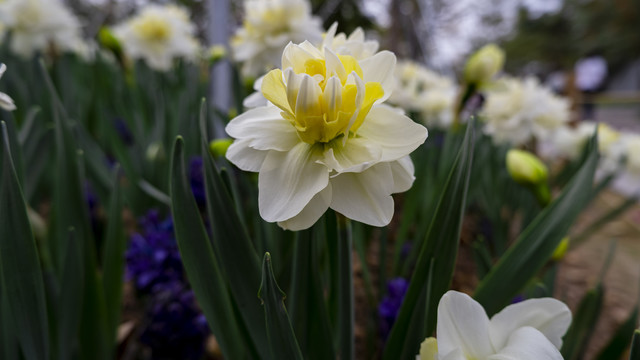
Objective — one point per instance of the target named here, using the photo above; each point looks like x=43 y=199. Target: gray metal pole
x=218 y=34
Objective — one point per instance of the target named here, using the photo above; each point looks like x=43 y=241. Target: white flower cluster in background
x=159 y=35
x=39 y=26
x=269 y=25
x=619 y=151
x=517 y=111
x=422 y=91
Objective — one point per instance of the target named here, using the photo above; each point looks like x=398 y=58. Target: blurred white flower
x=567 y=142
x=529 y=330
x=517 y=111
x=631 y=145
x=6 y=102
x=269 y=25
x=326 y=140
x=39 y=25
x=158 y=35
x=425 y=92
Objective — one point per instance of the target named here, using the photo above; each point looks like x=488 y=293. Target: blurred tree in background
x=604 y=27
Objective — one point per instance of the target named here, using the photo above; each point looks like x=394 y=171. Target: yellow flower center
x=324 y=105
x=152 y=29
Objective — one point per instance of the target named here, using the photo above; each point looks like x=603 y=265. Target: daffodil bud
x=109 y=41
x=219 y=147
x=561 y=250
x=155 y=152
x=216 y=53
x=428 y=349
x=526 y=169
x=483 y=64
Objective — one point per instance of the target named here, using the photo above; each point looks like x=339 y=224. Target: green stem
x=346 y=301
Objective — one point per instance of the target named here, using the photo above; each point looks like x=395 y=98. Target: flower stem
x=346 y=302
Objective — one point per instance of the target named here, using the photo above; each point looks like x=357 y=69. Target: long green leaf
x=621 y=339
x=238 y=258
x=635 y=346
x=113 y=258
x=282 y=341
x=22 y=284
x=70 y=303
x=199 y=261
x=70 y=211
x=534 y=246
x=441 y=245
x=583 y=323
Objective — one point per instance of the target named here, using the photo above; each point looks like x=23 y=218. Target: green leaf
x=9 y=347
x=200 y=263
x=113 y=258
x=70 y=211
x=440 y=246
x=22 y=283
x=621 y=339
x=282 y=341
x=635 y=346
x=534 y=246
x=238 y=258
x=583 y=324
x=307 y=307
x=70 y=303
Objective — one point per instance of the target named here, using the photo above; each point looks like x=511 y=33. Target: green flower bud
x=483 y=65
x=219 y=147
x=561 y=250
x=109 y=41
x=155 y=152
x=216 y=53
x=526 y=169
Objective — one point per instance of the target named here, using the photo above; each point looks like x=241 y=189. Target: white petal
x=380 y=68
x=289 y=180
x=549 y=316
x=402 y=171
x=311 y=213
x=527 y=343
x=266 y=127
x=308 y=101
x=397 y=134
x=6 y=102
x=3 y=68
x=365 y=196
x=463 y=324
x=244 y=157
x=356 y=155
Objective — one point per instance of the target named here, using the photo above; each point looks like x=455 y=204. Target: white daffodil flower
x=269 y=25
x=39 y=25
x=425 y=92
x=159 y=35
x=517 y=111
x=326 y=140
x=353 y=45
x=529 y=330
x=6 y=102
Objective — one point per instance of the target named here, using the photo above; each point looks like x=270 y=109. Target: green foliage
x=21 y=276
x=282 y=341
x=435 y=264
x=534 y=246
